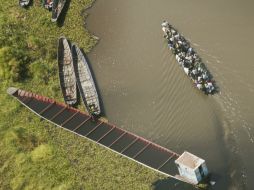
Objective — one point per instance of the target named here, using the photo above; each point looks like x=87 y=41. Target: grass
x=33 y=153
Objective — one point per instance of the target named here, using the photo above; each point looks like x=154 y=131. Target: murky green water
x=144 y=90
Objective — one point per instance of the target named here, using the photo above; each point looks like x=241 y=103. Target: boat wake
x=235 y=126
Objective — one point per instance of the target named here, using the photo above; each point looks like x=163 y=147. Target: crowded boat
x=188 y=59
x=47 y=4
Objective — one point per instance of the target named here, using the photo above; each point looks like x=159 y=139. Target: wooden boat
x=188 y=59
x=66 y=72
x=24 y=3
x=85 y=82
x=57 y=8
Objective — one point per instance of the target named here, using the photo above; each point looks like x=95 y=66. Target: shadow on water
x=170 y=183
x=62 y=16
x=95 y=83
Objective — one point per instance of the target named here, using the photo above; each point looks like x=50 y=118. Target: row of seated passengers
x=187 y=58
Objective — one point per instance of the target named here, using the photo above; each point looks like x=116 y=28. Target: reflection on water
x=144 y=90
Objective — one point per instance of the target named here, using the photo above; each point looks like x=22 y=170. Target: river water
x=144 y=91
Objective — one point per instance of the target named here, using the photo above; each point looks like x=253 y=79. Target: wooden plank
x=135 y=140
x=94 y=129
x=26 y=100
x=67 y=120
x=81 y=124
x=141 y=150
x=48 y=106
x=54 y=116
x=117 y=139
x=106 y=134
x=163 y=164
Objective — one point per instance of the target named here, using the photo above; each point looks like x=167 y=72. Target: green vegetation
x=33 y=153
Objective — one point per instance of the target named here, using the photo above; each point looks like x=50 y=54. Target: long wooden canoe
x=85 y=82
x=66 y=72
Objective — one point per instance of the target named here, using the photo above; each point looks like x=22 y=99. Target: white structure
x=191 y=167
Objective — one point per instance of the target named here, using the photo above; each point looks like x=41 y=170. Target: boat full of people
x=188 y=59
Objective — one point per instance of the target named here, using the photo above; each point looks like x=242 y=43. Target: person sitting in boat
x=199 y=86
x=200 y=78
x=182 y=55
x=194 y=71
x=172 y=39
x=188 y=57
x=178 y=51
x=166 y=36
x=190 y=51
x=200 y=70
x=192 y=60
x=177 y=45
x=209 y=87
x=186 y=70
x=166 y=32
x=210 y=84
x=184 y=46
x=178 y=58
x=165 y=24
x=180 y=45
x=177 y=36
x=173 y=31
x=92 y=108
x=181 y=62
x=205 y=76
x=195 y=56
x=187 y=63
x=170 y=45
x=48 y=4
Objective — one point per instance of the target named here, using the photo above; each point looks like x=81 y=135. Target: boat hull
x=66 y=72
x=57 y=8
x=85 y=82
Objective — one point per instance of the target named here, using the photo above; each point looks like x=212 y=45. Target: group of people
x=188 y=59
x=24 y=3
x=47 y=4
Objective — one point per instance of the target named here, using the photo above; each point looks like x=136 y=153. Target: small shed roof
x=189 y=160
